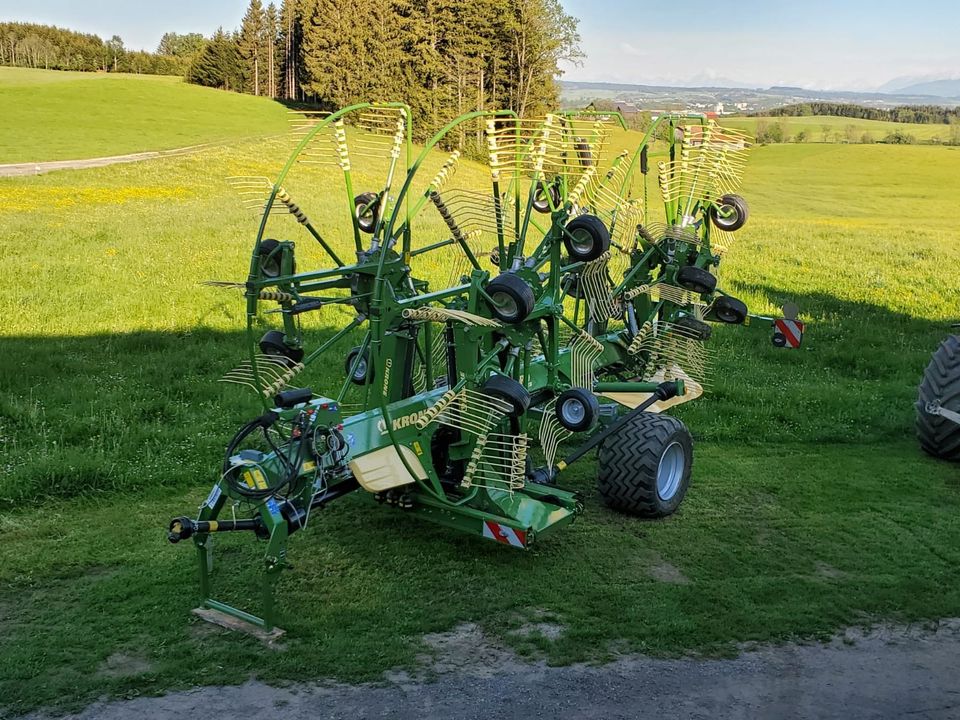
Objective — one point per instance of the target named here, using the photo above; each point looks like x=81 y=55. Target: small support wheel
x=696 y=329
x=697 y=280
x=513 y=299
x=366 y=209
x=586 y=238
x=546 y=197
x=577 y=409
x=730 y=213
x=363 y=373
x=270 y=265
x=729 y=310
x=645 y=467
x=509 y=390
x=274 y=343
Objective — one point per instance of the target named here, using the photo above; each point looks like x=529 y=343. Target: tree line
x=922 y=114
x=442 y=57
x=43 y=46
x=777 y=131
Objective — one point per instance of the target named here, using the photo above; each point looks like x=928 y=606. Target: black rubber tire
x=729 y=310
x=272 y=343
x=269 y=259
x=544 y=196
x=939 y=436
x=359 y=378
x=513 y=299
x=366 y=221
x=588 y=403
x=698 y=280
x=508 y=389
x=584 y=155
x=586 y=238
x=730 y=213
x=630 y=460
x=696 y=329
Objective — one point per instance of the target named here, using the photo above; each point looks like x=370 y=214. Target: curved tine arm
x=432 y=143
x=596 y=113
x=330 y=119
x=649 y=135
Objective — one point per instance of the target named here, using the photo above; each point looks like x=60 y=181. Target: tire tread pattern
x=629 y=460
x=939 y=436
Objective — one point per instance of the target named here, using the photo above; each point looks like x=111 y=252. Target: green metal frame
x=383 y=287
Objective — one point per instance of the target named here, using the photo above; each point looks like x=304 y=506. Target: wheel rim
x=506 y=306
x=541 y=202
x=361 y=372
x=670 y=471
x=366 y=219
x=270 y=266
x=573 y=411
x=727 y=215
x=582 y=241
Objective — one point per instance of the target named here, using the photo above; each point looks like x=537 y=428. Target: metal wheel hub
x=670 y=471
x=727 y=215
x=361 y=371
x=506 y=305
x=573 y=411
x=582 y=241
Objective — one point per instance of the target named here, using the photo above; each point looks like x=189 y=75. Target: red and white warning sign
x=787 y=333
x=504 y=534
x=788 y=330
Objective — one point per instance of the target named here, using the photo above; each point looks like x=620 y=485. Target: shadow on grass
x=88 y=415
x=854 y=378
x=774 y=540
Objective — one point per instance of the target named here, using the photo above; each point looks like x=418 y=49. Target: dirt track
x=885 y=673
x=39 y=168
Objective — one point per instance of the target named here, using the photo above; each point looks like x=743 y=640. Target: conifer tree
x=218 y=64
x=251 y=44
x=291 y=24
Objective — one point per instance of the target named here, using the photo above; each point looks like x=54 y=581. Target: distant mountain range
x=930 y=92
x=939 y=88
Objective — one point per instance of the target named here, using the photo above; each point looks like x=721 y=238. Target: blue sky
x=808 y=43
x=813 y=43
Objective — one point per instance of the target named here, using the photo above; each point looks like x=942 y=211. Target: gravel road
x=889 y=672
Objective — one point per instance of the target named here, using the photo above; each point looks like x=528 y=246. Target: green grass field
x=53 y=115
x=811 y=507
x=834 y=129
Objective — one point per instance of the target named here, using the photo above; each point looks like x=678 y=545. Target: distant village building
x=628 y=110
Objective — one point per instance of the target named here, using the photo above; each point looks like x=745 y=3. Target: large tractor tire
x=940 y=386
x=645 y=466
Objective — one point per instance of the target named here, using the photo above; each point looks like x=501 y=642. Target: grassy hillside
x=51 y=115
x=833 y=129
x=811 y=507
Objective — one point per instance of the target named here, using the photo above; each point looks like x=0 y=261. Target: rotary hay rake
x=492 y=326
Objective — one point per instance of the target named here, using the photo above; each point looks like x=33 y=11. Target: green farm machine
x=464 y=334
